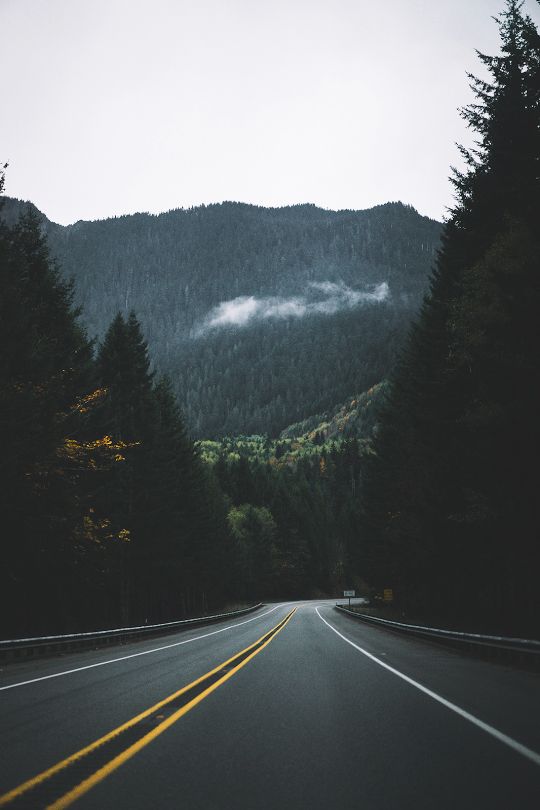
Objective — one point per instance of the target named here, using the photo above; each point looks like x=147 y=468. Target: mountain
x=261 y=316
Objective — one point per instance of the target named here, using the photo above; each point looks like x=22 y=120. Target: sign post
x=349 y=594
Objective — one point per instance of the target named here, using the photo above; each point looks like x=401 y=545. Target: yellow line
x=115 y=763
x=84 y=786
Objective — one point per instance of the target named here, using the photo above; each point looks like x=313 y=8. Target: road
x=323 y=712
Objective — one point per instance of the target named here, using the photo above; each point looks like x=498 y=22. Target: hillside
x=355 y=419
x=261 y=316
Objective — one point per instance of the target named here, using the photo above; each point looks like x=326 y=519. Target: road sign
x=349 y=594
x=388 y=595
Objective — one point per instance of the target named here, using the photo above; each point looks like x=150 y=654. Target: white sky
x=116 y=106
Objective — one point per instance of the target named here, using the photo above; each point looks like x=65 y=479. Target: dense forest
x=281 y=373
x=108 y=516
x=110 y=513
x=374 y=453
x=322 y=333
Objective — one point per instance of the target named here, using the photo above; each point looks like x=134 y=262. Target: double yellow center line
x=68 y=780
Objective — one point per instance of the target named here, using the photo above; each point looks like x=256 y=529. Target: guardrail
x=528 y=648
x=44 y=645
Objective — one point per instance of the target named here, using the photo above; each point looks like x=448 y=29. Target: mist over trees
x=267 y=376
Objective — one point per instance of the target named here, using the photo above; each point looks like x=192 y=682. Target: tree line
x=107 y=513
x=450 y=502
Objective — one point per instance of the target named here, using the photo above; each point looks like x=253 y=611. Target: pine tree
x=124 y=370
x=440 y=501
x=161 y=500
x=46 y=365
x=168 y=507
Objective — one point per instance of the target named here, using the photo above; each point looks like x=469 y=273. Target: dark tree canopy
x=451 y=514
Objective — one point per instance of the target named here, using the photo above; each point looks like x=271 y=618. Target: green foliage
x=308 y=485
x=307 y=525
x=356 y=418
x=254 y=531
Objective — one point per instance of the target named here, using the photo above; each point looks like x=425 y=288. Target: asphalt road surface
x=294 y=706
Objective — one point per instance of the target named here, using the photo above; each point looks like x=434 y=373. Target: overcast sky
x=115 y=106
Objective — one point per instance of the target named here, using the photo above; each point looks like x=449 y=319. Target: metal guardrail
x=27 y=647
x=516 y=645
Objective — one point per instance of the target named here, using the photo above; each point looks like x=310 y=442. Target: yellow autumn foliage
x=73 y=449
x=84 y=404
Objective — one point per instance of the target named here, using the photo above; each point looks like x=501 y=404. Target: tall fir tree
x=124 y=370
x=451 y=518
x=46 y=366
x=166 y=514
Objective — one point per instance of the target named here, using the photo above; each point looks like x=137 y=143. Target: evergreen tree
x=254 y=532
x=170 y=507
x=442 y=507
x=124 y=370
x=161 y=502
x=45 y=368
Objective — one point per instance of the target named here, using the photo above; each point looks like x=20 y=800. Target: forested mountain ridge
x=358 y=275
x=205 y=255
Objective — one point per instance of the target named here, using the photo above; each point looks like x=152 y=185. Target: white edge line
x=136 y=655
x=99 y=634
x=498 y=735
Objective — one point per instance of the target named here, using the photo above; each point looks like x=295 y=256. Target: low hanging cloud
x=322 y=297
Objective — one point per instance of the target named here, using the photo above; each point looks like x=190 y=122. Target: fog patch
x=322 y=297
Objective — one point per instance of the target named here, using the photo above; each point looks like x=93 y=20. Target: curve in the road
x=533 y=756
x=137 y=654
